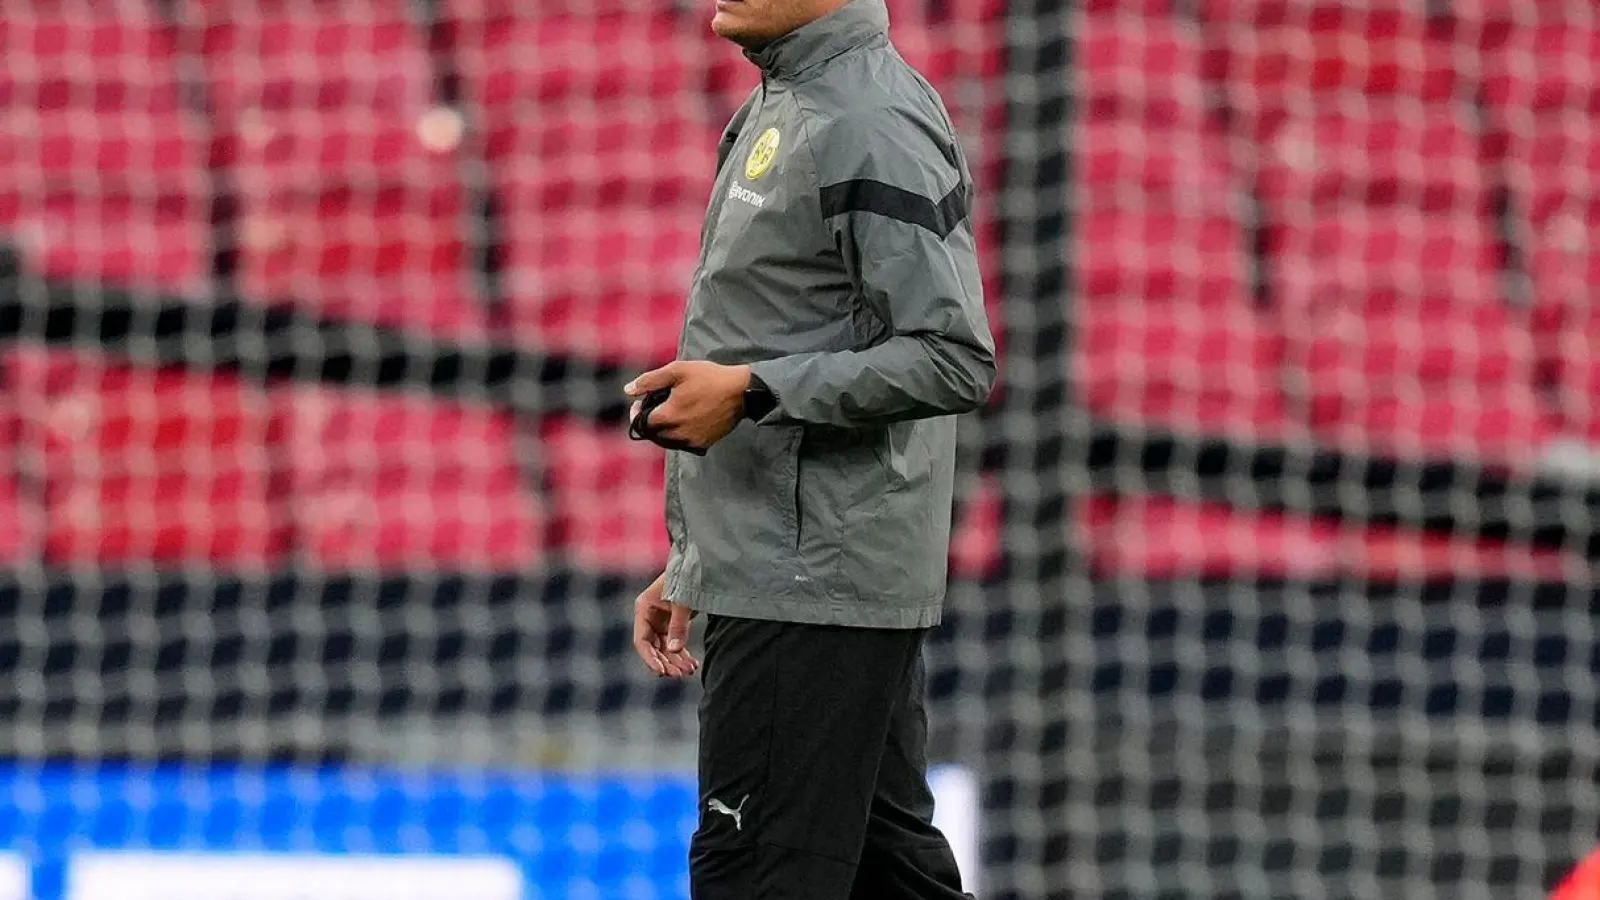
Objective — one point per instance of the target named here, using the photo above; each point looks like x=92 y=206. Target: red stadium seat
x=1554 y=177
x=56 y=45
x=1477 y=12
x=1164 y=538
x=20 y=520
x=1160 y=537
x=1545 y=68
x=606 y=496
x=603 y=217
x=1427 y=345
x=392 y=482
x=122 y=76
x=908 y=13
x=1123 y=158
x=1559 y=162
x=1142 y=71
x=511 y=63
x=1401 y=338
x=147 y=465
x=604 y=157
x=1344 y=254
x=286 y=149
x=1270 y=54
x=1183 y=369
x=1145 y=136
x=352 y=204
x=1553 y=172
x=604 y=285
x=101 y=168
x=985 y=11
x=944 y=42
x=390 y=255
x=1494 y=425
x=366 y=58
x=1564 y=265
x=1381 y=152
x=145 y=154
x=478 y=10
x=1167 y=335
x=602 y=151
x=115 y=240
x=356 y=220
x=1191 y=260
x=1155 y=196
x=975 y=32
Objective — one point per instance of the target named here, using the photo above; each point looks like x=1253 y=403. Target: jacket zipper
x=673 y=505
x=799 y=514
x=716 y=200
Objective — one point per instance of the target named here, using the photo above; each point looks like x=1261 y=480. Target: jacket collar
x=817 y=42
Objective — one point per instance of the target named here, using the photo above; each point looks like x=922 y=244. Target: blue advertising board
x=357 y=833
x=601 y=836
x=352 y=833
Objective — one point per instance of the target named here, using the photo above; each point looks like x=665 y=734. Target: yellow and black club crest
x=762 y=154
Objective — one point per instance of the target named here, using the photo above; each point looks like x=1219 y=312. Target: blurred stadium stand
x=339 y=166
x=316 y=316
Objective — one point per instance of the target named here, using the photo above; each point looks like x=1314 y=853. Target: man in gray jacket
x=834 y=328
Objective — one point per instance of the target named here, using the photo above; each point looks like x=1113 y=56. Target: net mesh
x=1329 y=631
x=319 y=521
x=1272 y=568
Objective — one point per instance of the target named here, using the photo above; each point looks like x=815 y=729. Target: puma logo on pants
x=736 y=813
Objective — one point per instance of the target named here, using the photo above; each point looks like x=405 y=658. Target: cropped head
x=755 y=23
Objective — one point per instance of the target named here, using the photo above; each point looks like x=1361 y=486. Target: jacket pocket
x=780 y=464
x=842 y=482
x=881 y=543
x=795 y=468
x=738 y=512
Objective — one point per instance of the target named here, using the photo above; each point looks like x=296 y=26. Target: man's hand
x=706 y=402
x=661 y=633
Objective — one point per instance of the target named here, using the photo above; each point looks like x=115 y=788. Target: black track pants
x=813 y=767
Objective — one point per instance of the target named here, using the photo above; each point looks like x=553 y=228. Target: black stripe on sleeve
x=866 y=195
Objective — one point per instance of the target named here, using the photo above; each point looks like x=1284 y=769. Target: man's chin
x=728 y=27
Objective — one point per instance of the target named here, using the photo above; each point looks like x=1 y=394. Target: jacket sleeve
x=895 y=199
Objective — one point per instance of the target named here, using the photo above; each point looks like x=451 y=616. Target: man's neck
x=820 y=10
x=846 y=23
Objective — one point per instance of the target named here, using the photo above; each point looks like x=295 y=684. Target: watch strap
x=759 y=401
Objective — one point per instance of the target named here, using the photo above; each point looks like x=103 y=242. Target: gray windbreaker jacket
x=838 y=260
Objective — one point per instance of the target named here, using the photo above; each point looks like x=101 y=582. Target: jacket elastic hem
x=924 y=613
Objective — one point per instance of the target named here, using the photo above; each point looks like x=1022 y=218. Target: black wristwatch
x=758 y=400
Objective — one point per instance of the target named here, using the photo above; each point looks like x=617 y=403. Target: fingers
x=679 y=419
x=678 y=629
x=644 y=646
x=660 y=633
x=665 y=417
x=665 y=425
x=662 y=427
x=678 y=655
x=667 y=663
x=655 y=379
x=680 y=664
x=646 y=634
